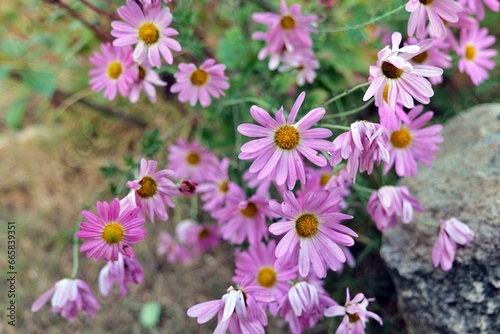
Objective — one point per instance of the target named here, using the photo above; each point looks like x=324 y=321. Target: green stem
x=364 y=24
x=347 y=92
x=362 y=188
x=350 y=112
x=75 y=249
x=255 y=100
x=336 y=126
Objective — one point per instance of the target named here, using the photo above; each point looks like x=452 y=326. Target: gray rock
x=464 y=182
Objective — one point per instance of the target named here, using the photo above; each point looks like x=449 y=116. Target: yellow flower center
x=113 y=233
x=420 y=58
x=199 y=77
x=114 y=70
x=324 y=179
x=426 y=2
x=142 y=73
x=391 y=71
x=148 y=33
x=223 y=186
x=286 y=137
x=385 y=94
x=250 y=211
x=148 y=187
x=353 y=317
x=193 y=158
x=470 y=52
x=266 y=277
x=287 y=22
x=401 y=138
x=306 y=225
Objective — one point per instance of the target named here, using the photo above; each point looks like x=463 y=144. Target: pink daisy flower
x=124 y=272
x=111 y=231
x=146 y=79
x=238 y=310
x=197 y=237
x=303 y=63
x=409 y=143
x=173 y=251
x=393 y=77
x=68 y=297
x=191 y=161
x=113 y=72
x=388 y=203
x=153 y=190
x=244 y=219
x=199 y=84
x=438 y=11
x=150 y=33
x=281 y=144
x=477 y=6
x=363 y=145
x=354 y=313
x=475 y=55
x=313 y=232
x=451 y=233
x=258 y=262
x=434 y=54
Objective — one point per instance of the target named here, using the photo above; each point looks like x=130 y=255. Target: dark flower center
x=391 y=71
x=148 y=187
x=250 y=211
x=306 y=225
x=401 y=138
x=287 y=22
x=199 y=77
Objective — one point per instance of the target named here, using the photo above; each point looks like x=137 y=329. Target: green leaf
x=151 y=143
x=14 y=117
x=4 y=72
x=43 y=83
x=110 y=171
x=150 y=314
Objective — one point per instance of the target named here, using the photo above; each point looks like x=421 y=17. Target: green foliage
x=151 y=143
x=43 y=83
x=150 y=314
x=15 y=113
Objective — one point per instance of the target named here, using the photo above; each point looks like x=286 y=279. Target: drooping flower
x=150 y=32
x=113 y=71
x=258 y=261
x=389 y=203
x=238 y=310
x=153 y=190
x=437 y=11
x=68 y=297
x=475 y=54
x=146 y=79
x=362 y=146
x=354 y=313
x=111 y=231
x=191 y=161
x=200 y=83
x=197 y=237
x=313 y=232
x=409 y=143
x=173 y=251
x=124 y=272
x=281 y=144
x=451 y=233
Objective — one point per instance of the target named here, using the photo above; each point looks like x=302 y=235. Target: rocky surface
x=464 y=182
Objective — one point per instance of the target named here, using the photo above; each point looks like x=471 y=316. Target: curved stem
x=336 y=126
x=350 y=112
x=362 y=188
x=75 y=249
x=347 y=92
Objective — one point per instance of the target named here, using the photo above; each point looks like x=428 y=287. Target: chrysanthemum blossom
x=113 y=71
x=258 y=261
x=393 y=77
x=281 y=144
x=303 y=63
x=477 y=6
x=452 y=232
x=191 y=161
x=146 y=79
x=68 y=297
x=362 y=147
x=197 y=237
x=238 y=310
x=111 y=231
x=389 y=203
x=410 y=143
x=437 y=11
x=124 y=272
x=217 y=187
x=200 y=83
x=313 y=232
x=150 y=33
x=354 y=313
x=433 y=54
x=172 y=250
x=153 y=190
x=475 y=54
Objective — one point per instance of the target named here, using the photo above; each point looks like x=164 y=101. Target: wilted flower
x=123 y=272
x=451 y=233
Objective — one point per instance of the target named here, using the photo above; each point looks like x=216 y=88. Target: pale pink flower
x=68 y=297
x=433 y=54
x=437 y=11
x=451 y=233
x=389 y=203
x=278 y=151
x=392 y=119
x=258 y=261
x=153 y=190
x=303 y=63
x=150 y=5
x=197 y=237
x=354 y=313
x=466 y=20
x=150 y=32
x=111 y=231
x=410 y=143
x=124 y=272
x=191 y=161
x=146 y=79
x=313 y=232
x=238 y=310
x=200 y=83
x=217 y=187
x=113 y=71
x=362 y=146
x=173 y=251
x=477 y=6
x=475 y=54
